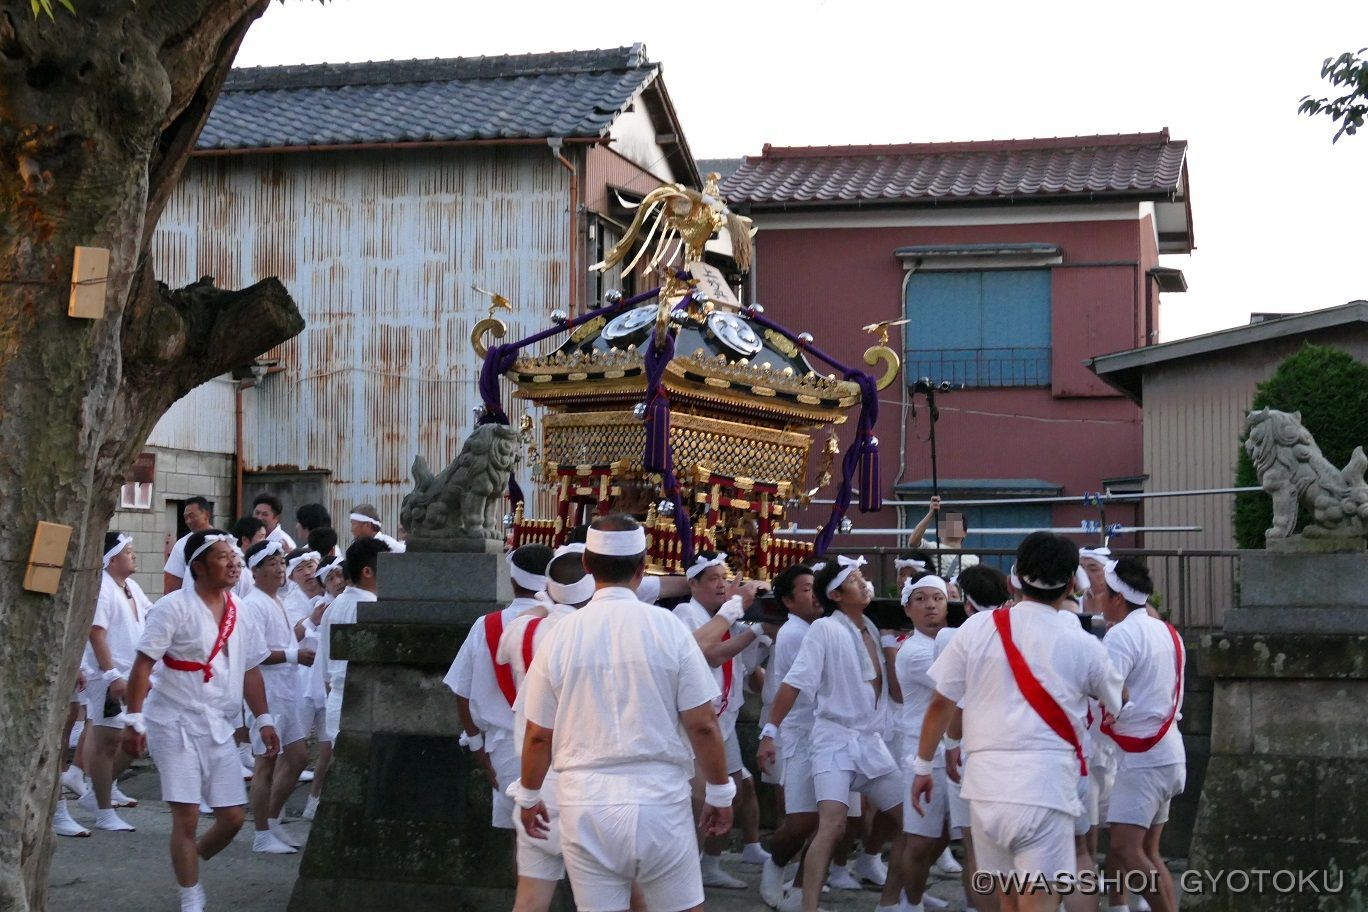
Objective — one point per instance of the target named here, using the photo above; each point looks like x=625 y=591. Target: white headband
x=525 y=578
x=925 y=582
x=394 y=544
x=972 y=605
x=848 y=566
x=909 y=563
x=575 y=548
x=1102 y=555
x=572 y=593
x=1121 y=588
x=616 y=544
x=272 y=547
x=817 y=567
x=209 y=542
x=324 y=569
x=307 y=556
x=113 y=552
x=363 y=518
x=1032 y=581
x=1081 y=580
x=701 y=563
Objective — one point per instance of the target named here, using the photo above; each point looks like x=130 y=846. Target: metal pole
x=1085 y=499
x=1062 y=530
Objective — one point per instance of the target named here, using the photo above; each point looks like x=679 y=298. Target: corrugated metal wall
x=1194 y=415
x=380 y=250
x=184 y=427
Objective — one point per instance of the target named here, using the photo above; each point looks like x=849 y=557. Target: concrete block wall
x=180 y=474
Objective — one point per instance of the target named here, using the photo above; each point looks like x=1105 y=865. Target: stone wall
x=1196 y=728
x=1289 y=766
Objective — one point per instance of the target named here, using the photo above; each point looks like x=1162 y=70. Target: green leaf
x=67 y=3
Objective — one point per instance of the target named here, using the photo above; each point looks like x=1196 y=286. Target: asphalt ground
x=132 y=871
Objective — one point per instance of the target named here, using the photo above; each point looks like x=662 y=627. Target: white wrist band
x=731 y=610
x=719 y=796
x=112 y=675
x=769 y=731
x=922 y=767
x=523 y=797
x=292 y=655
x=473 y=742
x=264 y=720
x=309 y=626
x=950 y=743
x=135 y=722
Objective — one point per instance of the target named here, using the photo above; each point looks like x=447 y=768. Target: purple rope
x=659 y=454
x=499 y=359
x=862 y=456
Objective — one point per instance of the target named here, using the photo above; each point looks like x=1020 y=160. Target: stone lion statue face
x=1267 y=430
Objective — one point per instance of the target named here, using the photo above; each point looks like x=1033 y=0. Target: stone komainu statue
x=462 y=501
x=1293 y=471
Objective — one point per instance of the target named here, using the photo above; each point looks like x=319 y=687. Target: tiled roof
x=723 y=166
x=1142 y=164
x=576 y=94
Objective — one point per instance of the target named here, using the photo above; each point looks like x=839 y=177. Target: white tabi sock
x=192 y=898
x=708 y=863
x=1118 y=908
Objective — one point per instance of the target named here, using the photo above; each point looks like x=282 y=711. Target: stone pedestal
x=404 y=818
x=1287 y=784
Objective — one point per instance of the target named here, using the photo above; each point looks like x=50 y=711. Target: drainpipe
x=238 y=387
x=556 y=143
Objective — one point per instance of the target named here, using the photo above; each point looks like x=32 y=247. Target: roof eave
x=1124 y=370
x=681 y=157
x=934 y=202
x=388 y=146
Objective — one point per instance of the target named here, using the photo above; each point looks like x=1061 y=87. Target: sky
x=1277 y=209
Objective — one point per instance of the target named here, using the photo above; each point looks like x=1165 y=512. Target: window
x=136 y=495
x=981 y=329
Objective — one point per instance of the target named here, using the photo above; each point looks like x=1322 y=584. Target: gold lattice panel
x=727 y=447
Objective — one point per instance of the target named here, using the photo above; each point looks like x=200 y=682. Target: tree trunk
x=98 y=112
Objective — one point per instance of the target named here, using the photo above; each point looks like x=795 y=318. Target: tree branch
x=208 y=53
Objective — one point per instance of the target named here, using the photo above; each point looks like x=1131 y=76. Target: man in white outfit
x=1149 y=654
x=267 y=508
x=840 y=665
x=1023 y=680
x=280 y=671
x=208 y=666
x=793 y=589
x=619 y=701
x=198 y=516
x=713 y=612
x=927 y=829
x=362 y=586
x=541 y=865
x=120 y=616
x=485 y=689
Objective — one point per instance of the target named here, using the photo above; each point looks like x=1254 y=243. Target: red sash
x=527 y=642
x=1133 y=745
x=226 y=625
x=503 y=674
x=728 y=672
x=1050 y=712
